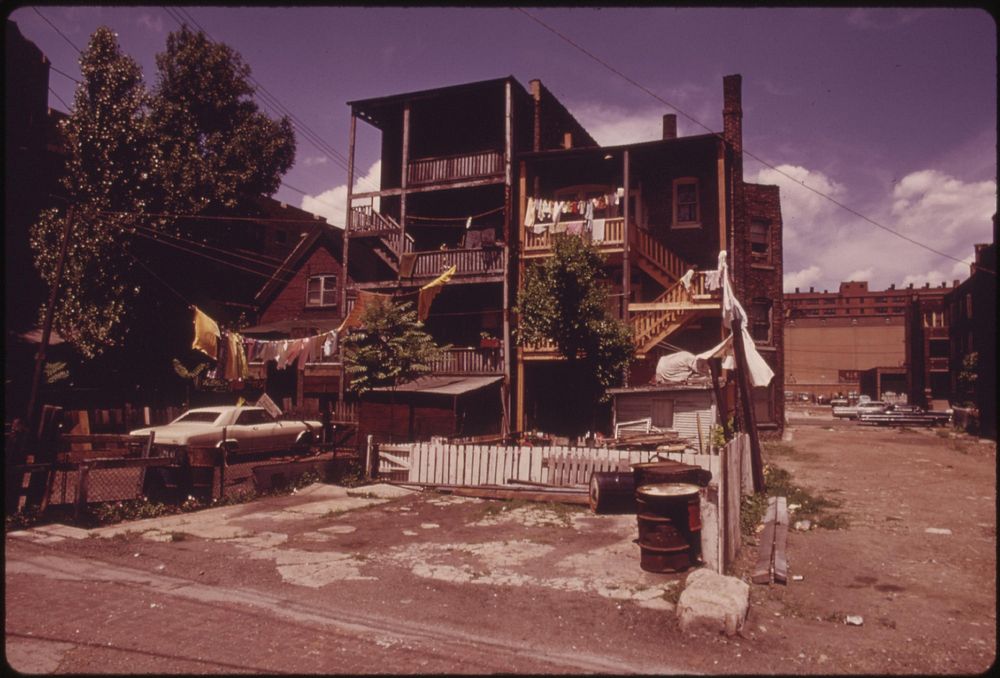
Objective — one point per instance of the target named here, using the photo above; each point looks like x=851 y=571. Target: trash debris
x=803 y=525
x=797 y=577
x=792 y=507
x=937 y=530
x=854 y=620
x=161 y=568
x=760 y=528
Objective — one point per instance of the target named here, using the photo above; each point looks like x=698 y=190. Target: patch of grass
x=942 y=433
x=672 y=594
x=779 y=483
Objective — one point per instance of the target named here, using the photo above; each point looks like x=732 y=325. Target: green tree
x=107 y=173
x=389 y=348
x=563 y=300
x=213 y=144
x=197 y=144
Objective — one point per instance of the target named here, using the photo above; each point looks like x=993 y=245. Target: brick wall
x=290 y=302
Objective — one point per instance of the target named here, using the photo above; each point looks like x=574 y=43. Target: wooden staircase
x=391 y=242
x=654 y=259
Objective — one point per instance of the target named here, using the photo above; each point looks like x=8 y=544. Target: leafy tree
x=213 y=145
x=390 y=347
x=107 y=172
x=562 y=300
x=197 y=144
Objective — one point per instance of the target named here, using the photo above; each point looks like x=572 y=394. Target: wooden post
x=147 y=451
x=403 y=183
x=511 y=220
x=47 y=325
x=743 y=381
x=626 y=264
x=347 y=222
x=368 y=455
x=81 y=488
x=224 y=462
x=715 y=365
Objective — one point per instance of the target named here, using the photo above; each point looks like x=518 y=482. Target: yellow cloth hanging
x=431 y=290
x=364 y=300
x=206 y=334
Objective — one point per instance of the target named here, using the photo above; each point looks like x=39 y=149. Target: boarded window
x=663 y=413
x=763 y=404
x=760 y=239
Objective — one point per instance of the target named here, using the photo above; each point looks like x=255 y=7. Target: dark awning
x=443 y=385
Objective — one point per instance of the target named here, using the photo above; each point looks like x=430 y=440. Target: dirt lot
x=323 y=582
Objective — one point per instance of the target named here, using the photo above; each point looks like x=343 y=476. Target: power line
x=275 y=261
x=189 y=250
x=56 y=95
x=65 y=75
x=168 y=215
x=745 y=151
x=35 y=10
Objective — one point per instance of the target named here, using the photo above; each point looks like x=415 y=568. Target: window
x=663 y=413
x=760 y=239
x=760 y=320
x=321 y=290
x=686 y=212
x=763 y=404
x=252 y=418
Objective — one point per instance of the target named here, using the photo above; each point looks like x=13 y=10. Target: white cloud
x=312 y=161
x=332 y=203
x=614 y=125
x=825 y=244
x=802 y=279
x=881 y=19
x=860 y=275
x=153 y=23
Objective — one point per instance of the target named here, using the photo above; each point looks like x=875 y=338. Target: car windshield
x=204 y=417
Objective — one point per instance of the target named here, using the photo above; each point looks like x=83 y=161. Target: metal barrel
x=652 y=472
x=669 y=520
x=612 y=492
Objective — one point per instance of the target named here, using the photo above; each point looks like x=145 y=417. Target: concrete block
x=713 y=603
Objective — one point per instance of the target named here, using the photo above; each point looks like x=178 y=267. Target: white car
x=247 y=429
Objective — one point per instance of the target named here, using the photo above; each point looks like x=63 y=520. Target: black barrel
x=652 y=472
x=669 y=518
x=612 y=492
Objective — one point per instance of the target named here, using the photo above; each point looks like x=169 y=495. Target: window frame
x=755 y=304
x=324 y=290
x=764 y=256
x=675 y=221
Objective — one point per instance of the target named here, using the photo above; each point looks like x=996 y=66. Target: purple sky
x=891 y=112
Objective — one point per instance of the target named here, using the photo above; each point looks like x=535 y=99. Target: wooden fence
x=472 y=465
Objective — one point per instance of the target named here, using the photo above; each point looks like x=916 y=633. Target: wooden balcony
x=455 y=168
x=938 y=364
x=540 y=244
x=470 y=361
x=473 y=265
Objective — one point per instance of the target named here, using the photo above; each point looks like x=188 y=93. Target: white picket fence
x=472 y=465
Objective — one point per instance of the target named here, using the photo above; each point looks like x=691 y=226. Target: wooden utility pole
x=47 y=326
x=743 y=381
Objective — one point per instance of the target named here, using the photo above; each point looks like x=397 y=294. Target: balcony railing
x=473 y=262
x=612 y=239
x=454 y=167
x=939 y=364
x=469 y=361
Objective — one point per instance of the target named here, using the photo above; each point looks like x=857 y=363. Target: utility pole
x=743 y=381
x=47 y=327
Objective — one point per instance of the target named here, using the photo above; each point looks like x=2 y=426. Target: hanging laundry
x=588 y=217
x=365 y=299
x=305 y=353
x=206 y=334
x=329 y=345
x=431 y=290
x=529 y=214
x=597 y=230
x=686 y=279
x=557 y=211
x=574 y=228
x=235 y=364
x=468 y=223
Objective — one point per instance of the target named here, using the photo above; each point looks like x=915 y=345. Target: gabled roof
x=298 y=256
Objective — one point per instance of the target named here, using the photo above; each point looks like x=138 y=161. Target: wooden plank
x=579 y=498
x=762 y=570
x=780 y=539
x=746 y=469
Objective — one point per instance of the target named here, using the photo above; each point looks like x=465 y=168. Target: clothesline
x=465 y=218
x=233 y=352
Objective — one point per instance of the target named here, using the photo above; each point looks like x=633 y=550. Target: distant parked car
x=247 y=429
x=855 y=411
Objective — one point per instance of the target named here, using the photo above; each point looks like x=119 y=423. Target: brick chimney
x=732 y=118
x=567 y=140
x=669 y=126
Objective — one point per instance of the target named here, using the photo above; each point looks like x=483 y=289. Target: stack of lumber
x=641 y=440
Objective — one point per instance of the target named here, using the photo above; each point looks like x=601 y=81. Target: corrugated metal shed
x=677 y=407
x=443 y=385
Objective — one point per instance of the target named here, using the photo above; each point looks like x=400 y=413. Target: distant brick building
x=831 y=338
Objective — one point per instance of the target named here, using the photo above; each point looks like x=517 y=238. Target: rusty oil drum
x=612 y=492
x=669 y=519
x=652 y=472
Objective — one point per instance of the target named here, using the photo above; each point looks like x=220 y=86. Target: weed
x=833 y=521
x=779 y=484
x=672 y=594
